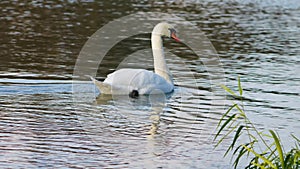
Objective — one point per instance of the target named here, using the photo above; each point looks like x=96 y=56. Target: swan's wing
x=124 y=81
x=103 y=87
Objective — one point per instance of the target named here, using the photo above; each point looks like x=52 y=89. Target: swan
x=135 y=82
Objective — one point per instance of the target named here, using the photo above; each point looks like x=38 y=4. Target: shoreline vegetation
x=263 y=150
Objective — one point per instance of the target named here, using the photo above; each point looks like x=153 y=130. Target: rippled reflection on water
x=42 y=127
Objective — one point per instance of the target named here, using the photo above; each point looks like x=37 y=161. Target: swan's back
x=124 y=81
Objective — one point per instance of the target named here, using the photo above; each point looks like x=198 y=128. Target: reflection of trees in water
x=44 y=38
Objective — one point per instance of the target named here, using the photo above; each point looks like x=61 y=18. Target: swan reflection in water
x=143 y=108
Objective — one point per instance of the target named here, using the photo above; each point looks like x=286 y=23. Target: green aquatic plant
x=265 y=151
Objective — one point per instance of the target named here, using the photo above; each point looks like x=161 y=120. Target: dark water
x=49 y=121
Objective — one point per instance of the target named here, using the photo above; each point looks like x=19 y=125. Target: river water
x=50 y=118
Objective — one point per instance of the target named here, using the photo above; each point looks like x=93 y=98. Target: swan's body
x=141 y=81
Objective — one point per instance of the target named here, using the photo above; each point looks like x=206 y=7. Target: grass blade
x=278 y=147
x=241 y=111
x=226 y=114
x=259 y=165
x=224 y=125
x=298 y=140
x=241 y=153
x=228 y=90
x=240 y=86
x=237 y=135
x=228 y=133
x=260 y=156
x=287 y=160
x=230 y=147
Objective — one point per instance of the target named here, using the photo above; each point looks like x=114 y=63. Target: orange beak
x=173 y=35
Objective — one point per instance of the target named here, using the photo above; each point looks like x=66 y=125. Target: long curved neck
x=160 y=66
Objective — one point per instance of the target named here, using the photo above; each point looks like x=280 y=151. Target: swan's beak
x=173 y=35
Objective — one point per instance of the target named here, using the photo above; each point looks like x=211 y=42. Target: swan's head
x=164 y=29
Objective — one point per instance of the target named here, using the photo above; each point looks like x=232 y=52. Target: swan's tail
x=103 y=87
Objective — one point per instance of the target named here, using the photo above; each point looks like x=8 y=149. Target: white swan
x=140 y=81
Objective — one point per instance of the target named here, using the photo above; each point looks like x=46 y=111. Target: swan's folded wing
x=103 y=87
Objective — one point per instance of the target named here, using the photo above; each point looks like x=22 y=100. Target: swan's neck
x=160 y=66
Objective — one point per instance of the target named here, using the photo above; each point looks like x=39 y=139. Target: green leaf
x=259 y=165
x=298 y=140
x=231 y=107
x=241 y=111
x=287 y=159
x=224 y=125
x=241 y=153
x=226 y=135
x=237 y=160
x=271 y=153
x=253 y=137
x=278 y=147
x=228 y=90
x=230 y=147
x=240 y=86
x=261 y=157
x=237 y=135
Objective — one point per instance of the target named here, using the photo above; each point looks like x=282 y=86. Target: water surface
x=45 y=124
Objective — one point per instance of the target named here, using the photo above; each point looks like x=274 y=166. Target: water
x=49 y=121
